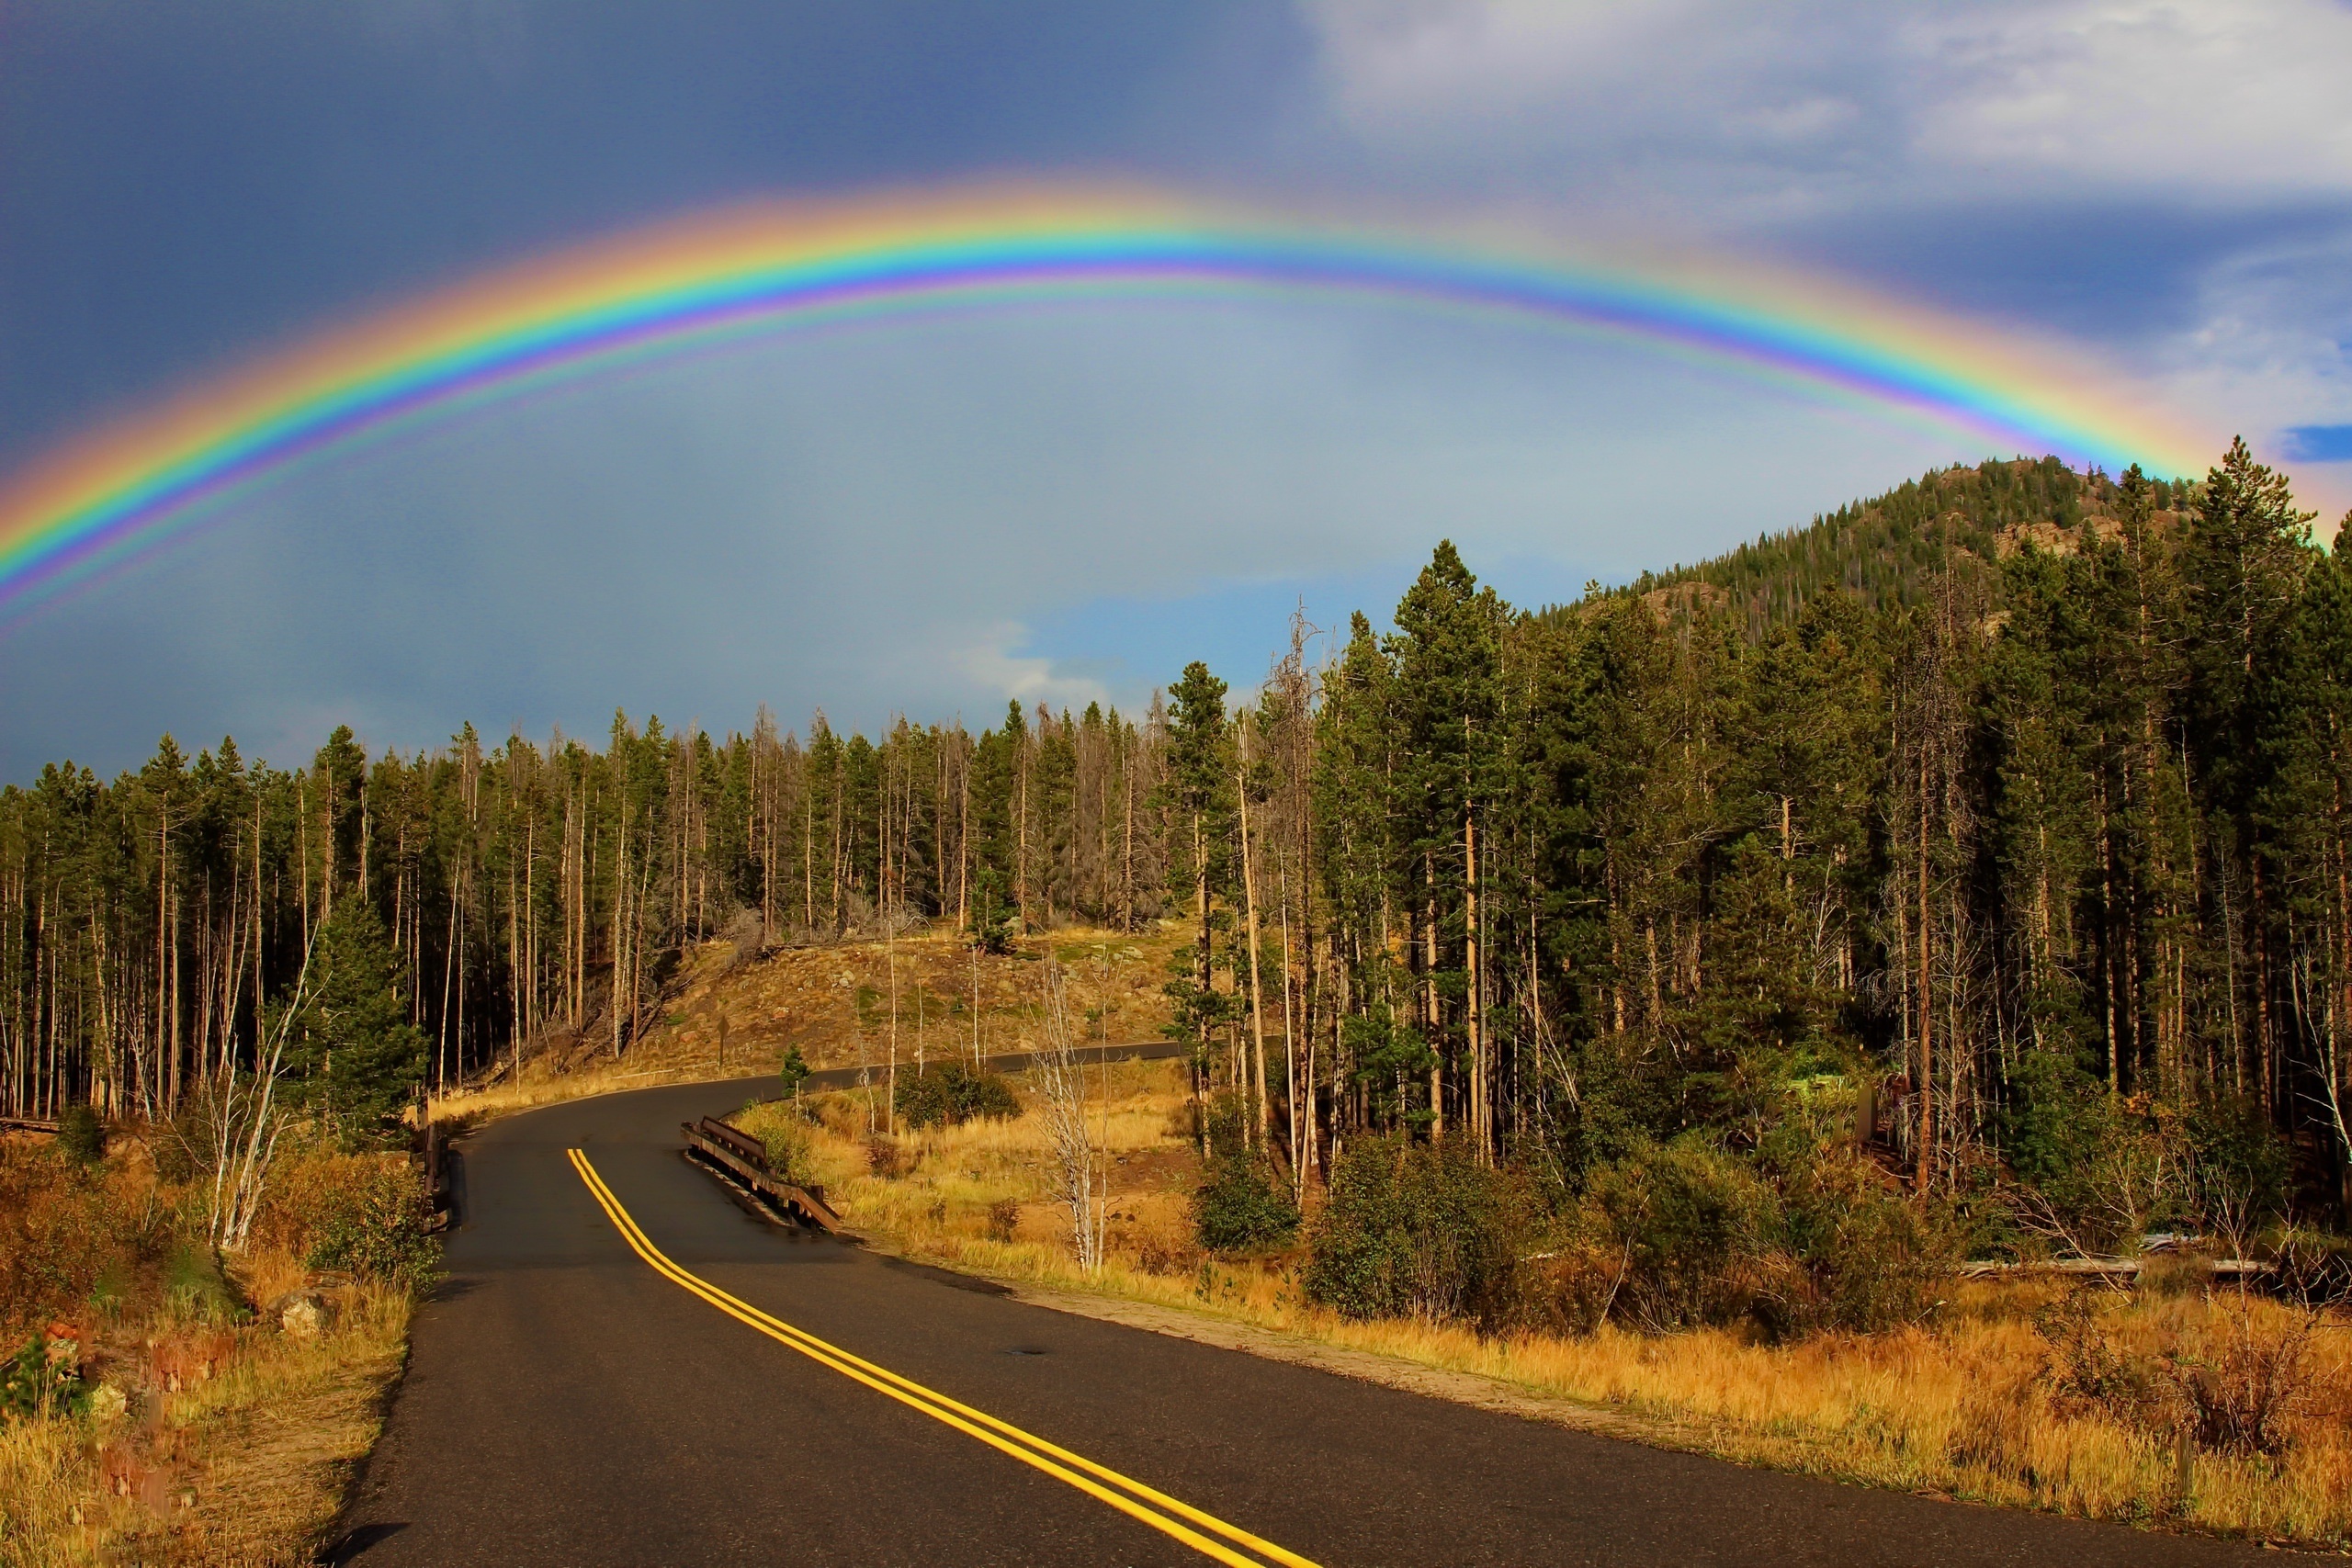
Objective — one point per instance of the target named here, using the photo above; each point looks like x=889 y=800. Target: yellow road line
x=1153 y=1508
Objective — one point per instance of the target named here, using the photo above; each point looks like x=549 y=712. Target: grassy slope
x=834 y=1004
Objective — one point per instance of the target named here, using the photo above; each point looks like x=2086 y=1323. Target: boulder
x=305 y=1314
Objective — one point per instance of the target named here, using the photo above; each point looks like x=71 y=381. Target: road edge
x=1479 y=1391
x=1474 y=1388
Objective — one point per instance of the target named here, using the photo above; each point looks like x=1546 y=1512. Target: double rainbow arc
x=762 y=270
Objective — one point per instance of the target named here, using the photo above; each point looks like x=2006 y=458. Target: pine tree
x=1197 y=793
x=352 y=1054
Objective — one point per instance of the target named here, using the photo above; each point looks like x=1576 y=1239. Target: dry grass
x=271 y=1445
x=1966 y=1406
x=53 y=1508
x=482 y=1104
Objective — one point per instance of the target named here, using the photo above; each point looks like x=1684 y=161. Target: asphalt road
x=568 y=1404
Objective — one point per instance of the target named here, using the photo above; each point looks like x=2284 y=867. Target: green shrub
x=372 y=1224
x=1421 y=1231
x=1683 y=1233
x=788 y=1143
x=34 y=1384
x=2236 y=1168
x=196 y=1289
x=1692 y=1233
x=1622 y=1096
x=948 y=1094
x=1241 y=1207
x=81 y=1137
x=1873 y=1256
x=2099 y=1170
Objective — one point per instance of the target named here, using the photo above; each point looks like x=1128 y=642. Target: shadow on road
x=353 y=1542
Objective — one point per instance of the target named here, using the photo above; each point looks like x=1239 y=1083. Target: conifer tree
x=352 y=1054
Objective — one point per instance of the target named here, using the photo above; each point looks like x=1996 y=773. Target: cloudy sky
x=932 y=517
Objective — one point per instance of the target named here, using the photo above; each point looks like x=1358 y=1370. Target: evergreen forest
x=2011 y=803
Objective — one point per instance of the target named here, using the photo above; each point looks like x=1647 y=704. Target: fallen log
x=2101 y=1267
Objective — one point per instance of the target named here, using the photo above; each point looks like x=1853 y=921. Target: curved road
x=567 y=1403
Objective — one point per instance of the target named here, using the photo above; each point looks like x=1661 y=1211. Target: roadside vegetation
x=200 y=1314
x=169 y=1403
x=1832 y=1336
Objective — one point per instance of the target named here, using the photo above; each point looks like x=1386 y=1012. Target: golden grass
x=273 y=1442
x=52 y=1507
x=1962 y=1406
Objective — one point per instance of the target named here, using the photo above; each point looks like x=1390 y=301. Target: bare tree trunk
x=890 y=950
x=1481 y=1113
x=1203 y=977
x=163 y=923
x=2266 y=1057
x=448 y=977
x=1021 y=832
x=1249 y=905
x=964 y=838
x=1291 y=1099
x=1063 y=1078
x=1927 y=1087
x=1433 y=1013
x=620 y=922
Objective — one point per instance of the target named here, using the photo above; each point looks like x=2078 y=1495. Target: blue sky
x=931 y=519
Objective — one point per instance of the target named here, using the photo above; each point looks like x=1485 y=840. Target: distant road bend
x=629 y=1366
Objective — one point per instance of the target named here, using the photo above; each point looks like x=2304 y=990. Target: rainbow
x=108 y=499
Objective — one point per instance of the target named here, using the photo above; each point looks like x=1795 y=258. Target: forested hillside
x=2015 y=793
x=1892 y=551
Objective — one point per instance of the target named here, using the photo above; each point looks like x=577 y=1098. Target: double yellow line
x=1159 y=1510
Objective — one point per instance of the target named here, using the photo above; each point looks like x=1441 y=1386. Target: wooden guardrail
x=429 y=1152
x=745 y=1158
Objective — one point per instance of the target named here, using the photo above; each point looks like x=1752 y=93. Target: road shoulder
x=1411 y=1377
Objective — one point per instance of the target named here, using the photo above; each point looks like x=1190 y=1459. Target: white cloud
x=2229 y=98
x=1809 y=123
x=1746 y=109
x=2269 y=340
x=1776 y=107
x=989 y=663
